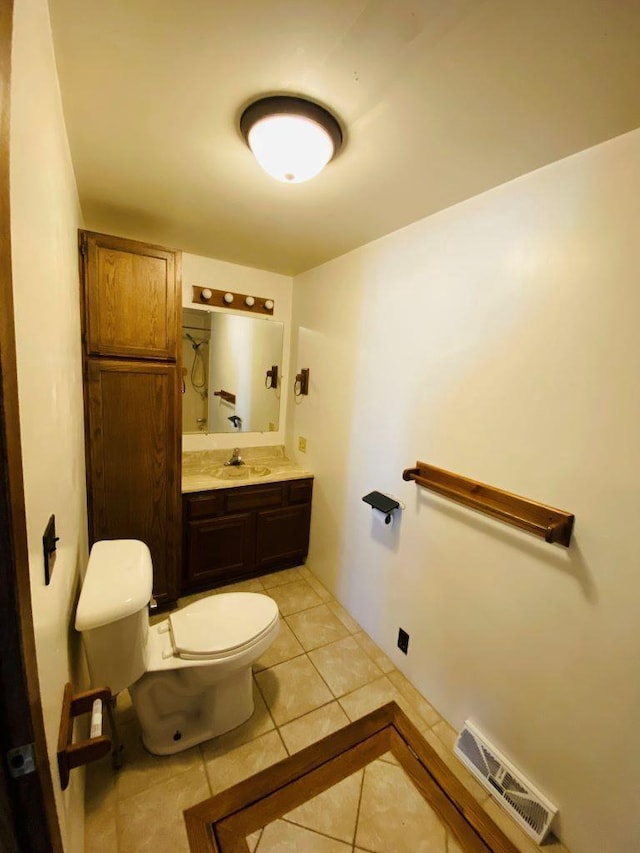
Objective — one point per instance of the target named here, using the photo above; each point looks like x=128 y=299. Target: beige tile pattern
x=315 y=584
x=334 y=811
x=284 y=647
x=313 y=726
x=140 y=807
x=344 y=666
x=253 y=840
x=141 y=769
x=144 y=821
x=406 y=689
x=226 y=766
x=293 y=597
x=100 y=834
x=279 y=578
x=347 y=620
x=316 y=626
x=394 y=817
x=283 y=837
x=292 y=689
x=377 y=655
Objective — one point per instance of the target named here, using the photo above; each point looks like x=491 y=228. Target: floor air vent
x=507 y=785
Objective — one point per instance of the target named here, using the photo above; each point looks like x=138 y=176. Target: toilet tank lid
x=117 y=583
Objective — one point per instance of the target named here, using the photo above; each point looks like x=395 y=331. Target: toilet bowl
x=189 y=676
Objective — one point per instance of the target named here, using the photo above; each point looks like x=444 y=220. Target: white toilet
x=189 y=676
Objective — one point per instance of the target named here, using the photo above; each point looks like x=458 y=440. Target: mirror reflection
x=228 y=378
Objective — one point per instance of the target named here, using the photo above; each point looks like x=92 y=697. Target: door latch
x=21 y=760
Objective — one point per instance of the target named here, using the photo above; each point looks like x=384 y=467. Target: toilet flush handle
x=153 y=604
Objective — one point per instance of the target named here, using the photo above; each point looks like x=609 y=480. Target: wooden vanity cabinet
x=233 y=534
x=130 y=296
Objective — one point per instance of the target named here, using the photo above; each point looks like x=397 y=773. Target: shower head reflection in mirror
x=235 y=354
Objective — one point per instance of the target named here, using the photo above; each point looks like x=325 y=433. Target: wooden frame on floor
x=222 y=823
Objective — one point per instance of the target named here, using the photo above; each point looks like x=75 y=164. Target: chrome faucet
x=236 y=459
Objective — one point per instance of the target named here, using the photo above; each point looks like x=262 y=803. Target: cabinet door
x=134 y=460
x=131 y=297
x=282 y=535
x=220 y=549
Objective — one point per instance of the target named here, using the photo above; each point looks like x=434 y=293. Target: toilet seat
x=219 y=626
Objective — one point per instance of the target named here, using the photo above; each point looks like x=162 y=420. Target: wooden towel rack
x=72 y=755
x=227 y=396
x=552 y=525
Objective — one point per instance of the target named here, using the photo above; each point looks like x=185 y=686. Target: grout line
x=308 y=828
x=355 y=828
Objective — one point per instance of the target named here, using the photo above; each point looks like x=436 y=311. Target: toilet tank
x=112 y=612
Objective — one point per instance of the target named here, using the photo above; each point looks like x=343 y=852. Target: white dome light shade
x=290 y=148
x=292 y=139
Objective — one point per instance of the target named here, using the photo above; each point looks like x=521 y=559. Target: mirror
x=225 y=360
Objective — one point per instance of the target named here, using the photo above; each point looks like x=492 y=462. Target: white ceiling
x=440 y=99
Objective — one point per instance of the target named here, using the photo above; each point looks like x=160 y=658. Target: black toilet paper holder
x=383 y=503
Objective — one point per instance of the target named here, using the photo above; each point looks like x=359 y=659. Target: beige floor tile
x=253 y=839
x=100 y=786
x=293 y=597
x=292 y=689
x=446 y=733
x=377 y=655
x=368 y=698
x=141 y=770
x=456 y=766
x=390 y=758
x=315 y=584
x=347 y=620
x=344 y=666
x=226 y=766
x=334 y=811
x=283 y=837
x=394 y=817
x=100 y=835
x=426 y=711
x=279 y=578
x=452 y=844
x=284 y=647
x=314 y=726
x=316 y=627
x=152 y=820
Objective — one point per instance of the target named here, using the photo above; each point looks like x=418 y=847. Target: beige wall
x=498 y=339
x=45 y=215
x=220 y=275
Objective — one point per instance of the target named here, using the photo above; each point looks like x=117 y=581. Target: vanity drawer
x=300 y=491
x=254 y=497
x=201 y=506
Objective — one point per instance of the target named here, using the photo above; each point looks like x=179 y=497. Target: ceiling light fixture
x=291 y=138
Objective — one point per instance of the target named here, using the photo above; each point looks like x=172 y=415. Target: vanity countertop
x=204 y=470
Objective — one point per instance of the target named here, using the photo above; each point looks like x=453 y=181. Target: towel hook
x=301 y=385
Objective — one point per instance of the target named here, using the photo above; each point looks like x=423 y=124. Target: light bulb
x=290 y=148
x=228 y=298
x=249 y=301
x=206 y=294
x=268 y=304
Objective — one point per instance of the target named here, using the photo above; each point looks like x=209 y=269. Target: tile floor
x=321 y=673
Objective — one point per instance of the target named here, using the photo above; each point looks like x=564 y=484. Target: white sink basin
x=240 y=472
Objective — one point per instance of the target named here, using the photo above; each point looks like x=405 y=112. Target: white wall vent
x=531 y=809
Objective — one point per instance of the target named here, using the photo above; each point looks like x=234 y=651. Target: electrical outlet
x=302 y=444
x=403 y=641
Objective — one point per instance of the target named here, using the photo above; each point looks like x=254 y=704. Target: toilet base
x=176 y=714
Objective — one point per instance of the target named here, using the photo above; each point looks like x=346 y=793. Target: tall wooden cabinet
x=131 y=322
